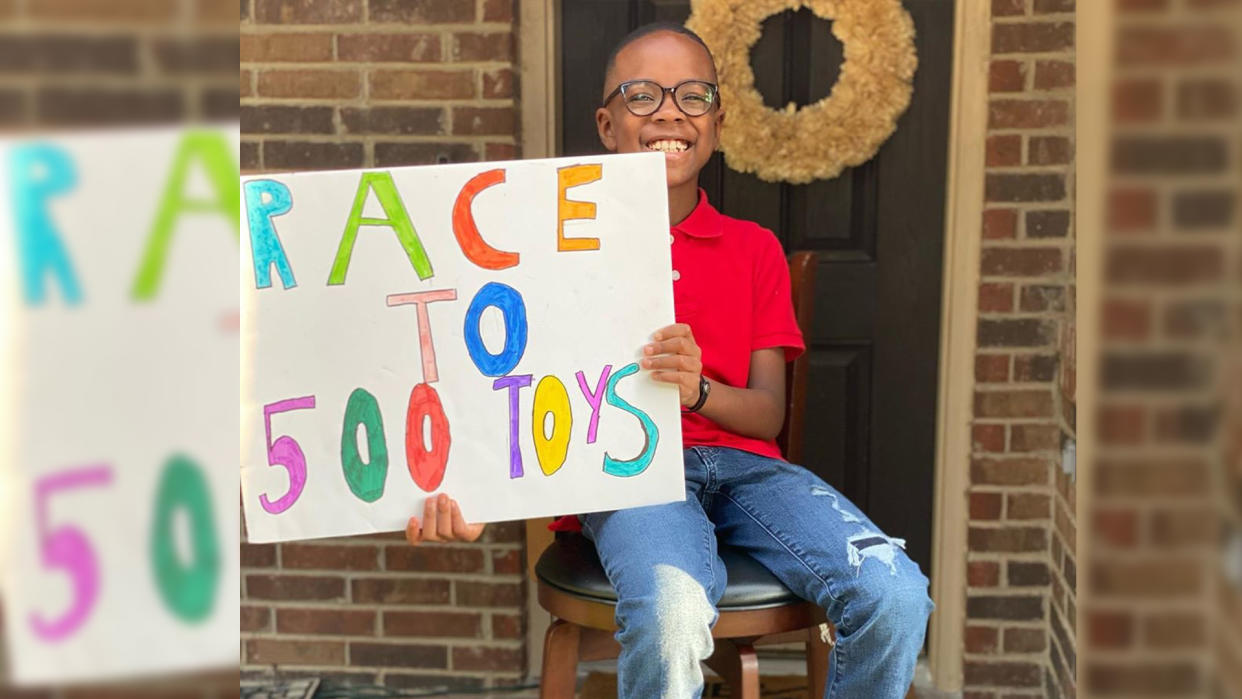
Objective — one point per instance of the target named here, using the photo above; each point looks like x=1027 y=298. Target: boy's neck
x=681 y=201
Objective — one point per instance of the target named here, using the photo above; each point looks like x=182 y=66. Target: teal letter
x=218 y=161
x=397 y=219
x=36 y=173
x=651 y=433
x=266 y=199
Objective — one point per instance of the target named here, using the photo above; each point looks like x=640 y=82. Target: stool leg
x=749 y=662
x=817 y=658
x=560 y=661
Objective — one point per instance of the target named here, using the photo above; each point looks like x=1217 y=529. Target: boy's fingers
x=461 y=530
x=412 y=530
x=444 y=525
x=429 y=521
x=674 y=362
x=674 y=330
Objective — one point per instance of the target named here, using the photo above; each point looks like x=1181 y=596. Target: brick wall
x=66 y=63
x=377 y=83
x=1163 y=616
x=1020 y=610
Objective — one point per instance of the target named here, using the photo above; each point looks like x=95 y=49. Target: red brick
x=388 y=154
x=423 y=11
x=294 y=587
x=507 y=562
x=1021 y=262
x=1183 y=529
x=1008 y=539
x=121 y=12
x=996 y=297
x=1000 y=223
x=1036 y=298
x=1023 y=187
x=1013 y=607
x=982 y=574
x=504 y=626
x=1142 y=5
x=500 y=151
x=245 y=84
x=268 y=651
x=498 y=84
x=397 y=655
x=258 y=555
x=1009 y=471
x=505 y=533
x=1007 y=76
x=1018 y=640
x=1043 y=7
x=1162 y=578
x=397 y=48
x=498 y=11
x=1026 y=438
x=1174 y=631
x=992 y=368
x=255 y=618
x=1137 y=100
x=433 y=624
x=483 y=659
x=1006 y=8
x=985 y=506
x=1171 y=265
x=1131 y=209
x=307 y=11
x=474 y=46
x=1178 y=44
x=1004 y=674
x=273 y=48
x=1004 y=150
x=1027 y=114
x=1115 y=527
x=483 y=121
x=422 y=84
x=1016 y=332
x=400 y=591
x=310 y=84
x=1016 y=403
x=345 y=622
x=1048 y=150
x=1053 y=75
x=1034 y=368
x=988 y=438
x=1165 y=477
x=1025 y=506
x=981 y=639
x=298 y=155
x=1200 y=99
x=1126 y=319
x=1032 y=37
x=479 y=594
x=331 y=557
x=439 y=559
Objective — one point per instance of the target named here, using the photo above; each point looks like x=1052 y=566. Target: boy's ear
x=603 y=123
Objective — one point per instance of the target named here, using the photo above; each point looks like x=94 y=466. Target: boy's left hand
x=675 y=357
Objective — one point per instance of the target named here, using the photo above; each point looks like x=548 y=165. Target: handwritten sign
x=118 y=311
x=469 y=329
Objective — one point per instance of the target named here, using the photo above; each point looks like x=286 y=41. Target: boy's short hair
x=652 y=28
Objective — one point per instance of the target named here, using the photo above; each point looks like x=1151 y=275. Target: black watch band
x=704 y=389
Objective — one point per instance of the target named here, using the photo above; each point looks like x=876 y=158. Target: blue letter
x=651 y=433
x=37 y=172
x=265 y=199
x=510 y=303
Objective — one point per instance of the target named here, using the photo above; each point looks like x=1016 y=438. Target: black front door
x=879 y=228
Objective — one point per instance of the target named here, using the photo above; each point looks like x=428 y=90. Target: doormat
x=603 y=685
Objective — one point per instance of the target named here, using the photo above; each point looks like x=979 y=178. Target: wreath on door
x=844 y=129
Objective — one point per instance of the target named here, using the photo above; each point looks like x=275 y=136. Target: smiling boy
x=727 y=355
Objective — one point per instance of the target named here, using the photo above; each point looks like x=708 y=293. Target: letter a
x=36 y=173
x=221 y=167
x=397 y=219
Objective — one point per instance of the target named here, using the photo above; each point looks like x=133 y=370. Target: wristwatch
x=704 y=389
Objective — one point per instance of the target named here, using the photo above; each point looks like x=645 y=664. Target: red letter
x=420 y=300
x=475 y=248
x=426 y=467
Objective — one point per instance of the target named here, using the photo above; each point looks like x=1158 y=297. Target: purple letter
x=515 y=384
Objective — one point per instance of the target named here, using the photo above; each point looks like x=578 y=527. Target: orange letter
x=567 y=209
x=475 y=248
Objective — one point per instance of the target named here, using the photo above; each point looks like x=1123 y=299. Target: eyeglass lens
x=643 y=97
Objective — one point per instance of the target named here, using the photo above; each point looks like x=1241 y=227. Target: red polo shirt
x=731 y=285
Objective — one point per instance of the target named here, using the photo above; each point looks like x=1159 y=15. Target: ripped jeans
x=663 y=563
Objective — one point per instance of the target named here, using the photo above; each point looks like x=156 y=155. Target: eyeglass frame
x=664 y=93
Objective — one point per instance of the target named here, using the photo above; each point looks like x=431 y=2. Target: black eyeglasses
x=645 y=97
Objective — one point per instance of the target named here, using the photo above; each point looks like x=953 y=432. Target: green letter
x=217 y=159
x=397 y=219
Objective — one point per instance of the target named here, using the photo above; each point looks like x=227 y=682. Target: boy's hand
x=675 y=357
x=442 y=521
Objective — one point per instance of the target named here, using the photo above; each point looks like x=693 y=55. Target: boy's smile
x=668 y=59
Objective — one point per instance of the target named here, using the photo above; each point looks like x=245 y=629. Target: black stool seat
x=570 y=564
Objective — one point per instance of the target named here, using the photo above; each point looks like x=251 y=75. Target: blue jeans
x=663 y=563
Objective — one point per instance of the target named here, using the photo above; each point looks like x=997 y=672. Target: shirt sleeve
x=774 y=322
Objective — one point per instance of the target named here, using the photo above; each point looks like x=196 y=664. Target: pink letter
x=594 y=399
x=420 y=300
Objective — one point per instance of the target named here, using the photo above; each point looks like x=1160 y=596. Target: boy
x=727 y=355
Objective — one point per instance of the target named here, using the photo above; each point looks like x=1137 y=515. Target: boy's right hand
x=442 y=521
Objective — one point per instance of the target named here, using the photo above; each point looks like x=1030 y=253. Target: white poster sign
x=468 y=329
x=118 y=523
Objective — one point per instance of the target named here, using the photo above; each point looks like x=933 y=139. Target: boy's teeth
x=668 y=146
